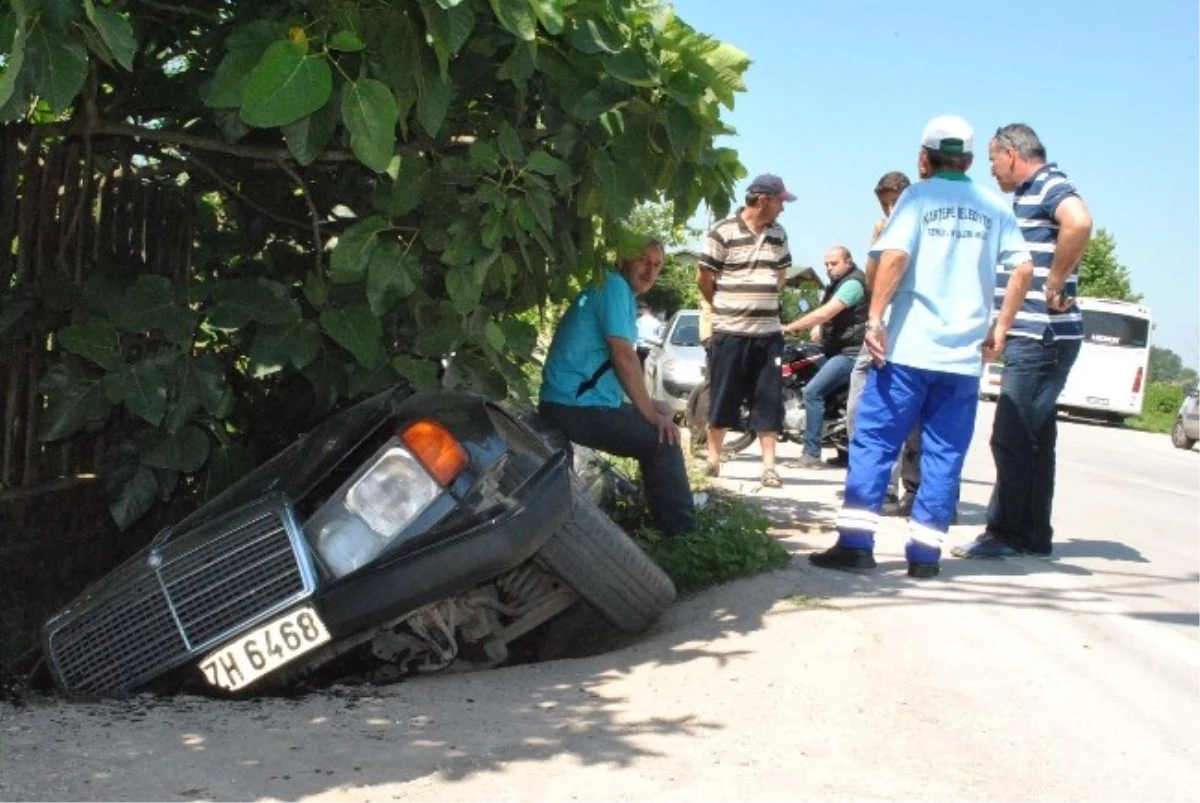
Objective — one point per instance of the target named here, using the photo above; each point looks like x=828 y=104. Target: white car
x=1186 y=431
x=989 y=385
x=675 y=365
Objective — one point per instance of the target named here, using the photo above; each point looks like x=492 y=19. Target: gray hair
x=1022 y=139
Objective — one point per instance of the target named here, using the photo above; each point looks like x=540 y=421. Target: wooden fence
x=68 y=209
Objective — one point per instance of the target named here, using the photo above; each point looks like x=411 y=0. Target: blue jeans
x=1024 y=438
x=833 y=375
x=897 y=397
x=622 y=431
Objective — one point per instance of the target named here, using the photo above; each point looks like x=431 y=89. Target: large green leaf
x=346 y=41
x=227 y=464
x=143 y=387
x=401 y=196
x=356 y=330
x=550 y=14
x=95 y=339
x=464 y=287
x=287 y=84
x=14 y=63
x=390 y=277
x=59 y=65
x=354 y=249
x=631 y=67
x=116 y=32
x=199 y=382
x=73 y=401
x=238 y=302
x=133 y=498
x=308 y=137
x=517 y=17
x=594 y=36
x=422 y=374
x=448 y=28
x=245 y=47
x=433 y=103
x=185 y=451
x=276 y=346
x=150 y=304
x=370 y=114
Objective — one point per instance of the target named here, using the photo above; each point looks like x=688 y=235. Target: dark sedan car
x=415 y=529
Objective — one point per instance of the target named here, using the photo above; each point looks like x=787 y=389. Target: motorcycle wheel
x=696 y=417
x=606 y=568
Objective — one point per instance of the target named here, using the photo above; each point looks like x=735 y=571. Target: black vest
x=844 y=333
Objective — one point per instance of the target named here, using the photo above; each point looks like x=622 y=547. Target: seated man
x=842 y=317
x=590 y=369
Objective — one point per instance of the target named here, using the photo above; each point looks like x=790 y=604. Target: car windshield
x=686 y=332
x=1114 y=329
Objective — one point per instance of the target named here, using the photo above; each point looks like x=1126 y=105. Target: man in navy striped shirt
x=1041 y=347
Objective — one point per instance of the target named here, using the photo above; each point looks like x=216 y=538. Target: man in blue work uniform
x=937 y=268
x=590 y=369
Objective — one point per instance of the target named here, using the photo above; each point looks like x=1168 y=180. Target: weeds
x=731 y=540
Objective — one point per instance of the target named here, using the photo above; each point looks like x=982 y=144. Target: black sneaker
x=845 y=558
x=923 y=571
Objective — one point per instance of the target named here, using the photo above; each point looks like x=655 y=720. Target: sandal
x=770 y=479
x=712 y=469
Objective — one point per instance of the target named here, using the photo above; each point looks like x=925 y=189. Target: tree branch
x=163 y=137
x=234 y=191
x=181 y=9
x=318 y=245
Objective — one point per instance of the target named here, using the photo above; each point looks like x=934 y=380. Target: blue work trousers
x=895 y=398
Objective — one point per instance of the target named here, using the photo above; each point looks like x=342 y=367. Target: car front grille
x=174 y=601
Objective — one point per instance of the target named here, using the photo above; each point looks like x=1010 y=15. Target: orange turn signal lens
x=439 y=452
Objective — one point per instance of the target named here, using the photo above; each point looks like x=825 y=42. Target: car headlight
x=394 y=487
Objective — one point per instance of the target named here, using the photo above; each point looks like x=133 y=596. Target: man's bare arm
x=706 y=280
x=629 y=371
x=1074 y=231
x=820 y=315
x=892 y=265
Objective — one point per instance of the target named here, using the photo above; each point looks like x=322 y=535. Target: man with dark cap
x=741 y=272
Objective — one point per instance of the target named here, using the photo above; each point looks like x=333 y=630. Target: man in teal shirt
x=842 y=317
x=593 y=365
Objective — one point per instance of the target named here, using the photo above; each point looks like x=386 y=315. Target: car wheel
x=607 y=569
x=1179 y=436
x=696 y=416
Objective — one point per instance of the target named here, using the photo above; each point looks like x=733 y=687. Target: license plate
x=1098 y=401
x=264 y=649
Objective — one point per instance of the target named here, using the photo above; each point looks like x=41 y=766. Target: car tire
x=1179 y=438
x=696 y=417
x=606 y=568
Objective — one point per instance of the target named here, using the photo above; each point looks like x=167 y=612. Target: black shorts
x=746 y=370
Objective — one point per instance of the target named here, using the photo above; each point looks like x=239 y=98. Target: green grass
x=732 y=538
x=1154 y=422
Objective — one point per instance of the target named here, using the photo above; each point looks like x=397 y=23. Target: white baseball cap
x=949 y=134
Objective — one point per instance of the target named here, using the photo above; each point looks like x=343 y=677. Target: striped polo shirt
x=748 y=265
x=1034 y=204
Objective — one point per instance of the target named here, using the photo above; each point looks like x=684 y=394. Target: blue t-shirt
x=955 y=234
x=580 y=345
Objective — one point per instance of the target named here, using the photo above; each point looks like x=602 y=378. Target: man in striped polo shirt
x=741 y=271
x=1041 y=347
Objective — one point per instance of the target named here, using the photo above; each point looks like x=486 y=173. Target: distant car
x=675 y=364
x=1186 y=431
x=989 y=386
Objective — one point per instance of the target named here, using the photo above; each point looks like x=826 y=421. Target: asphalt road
x=1076 y=678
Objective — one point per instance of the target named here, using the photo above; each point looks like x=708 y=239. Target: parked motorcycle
x=800 y=364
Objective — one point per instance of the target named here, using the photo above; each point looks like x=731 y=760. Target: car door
x=1191 y=413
